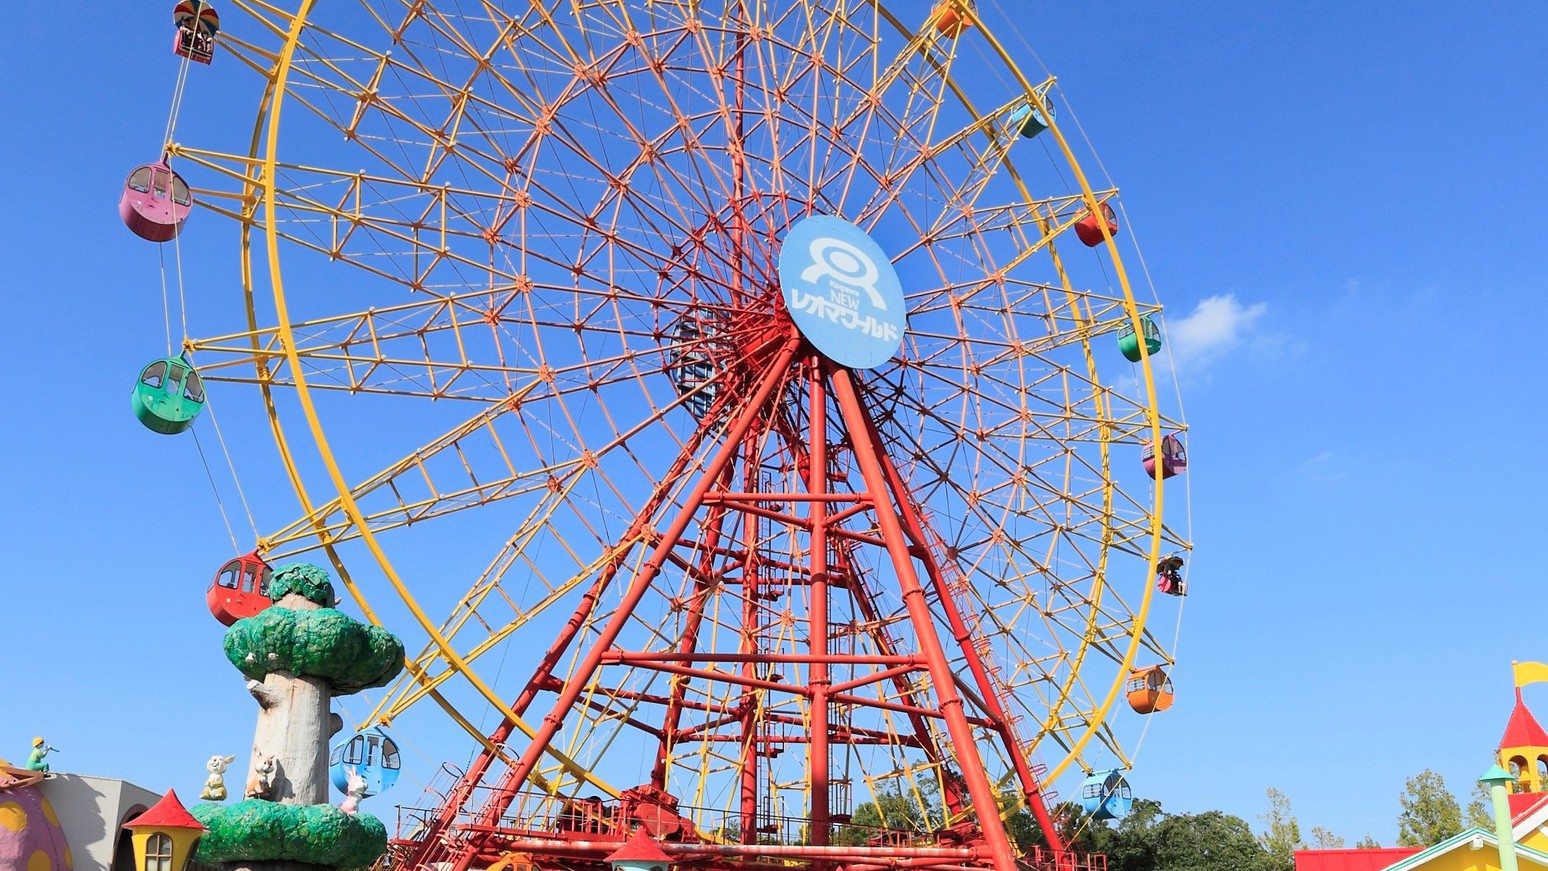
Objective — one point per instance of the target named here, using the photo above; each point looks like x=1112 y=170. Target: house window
x=158 y=853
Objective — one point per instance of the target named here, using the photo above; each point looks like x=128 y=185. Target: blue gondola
x=372 y=754
x=1030 y=121
x=1105 y=795
x=693 y=370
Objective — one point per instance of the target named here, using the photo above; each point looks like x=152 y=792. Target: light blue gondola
x=372 y=754
x=1105 y=795
x=1030 y=121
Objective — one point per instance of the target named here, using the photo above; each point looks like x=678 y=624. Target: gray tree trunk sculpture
x=294 y=726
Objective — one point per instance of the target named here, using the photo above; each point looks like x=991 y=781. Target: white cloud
x=1217 y=324
x=1324 y=467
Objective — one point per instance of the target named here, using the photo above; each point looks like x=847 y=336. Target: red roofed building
x=1524 y=752
x=164 y=836
x=640 y=853
x=168 y=813
x=1372 y=859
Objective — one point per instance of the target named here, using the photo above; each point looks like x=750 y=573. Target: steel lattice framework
x=530 y=250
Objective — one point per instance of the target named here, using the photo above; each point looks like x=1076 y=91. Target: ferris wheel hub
x=843 y=292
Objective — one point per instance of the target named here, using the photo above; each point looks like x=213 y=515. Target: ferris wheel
x=777 y=367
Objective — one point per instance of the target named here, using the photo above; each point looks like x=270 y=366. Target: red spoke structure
x=515 y=318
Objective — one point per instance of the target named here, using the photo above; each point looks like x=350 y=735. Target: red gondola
x=155 y=202
x=197 y=23
x=240 y=589
x=1090 y=231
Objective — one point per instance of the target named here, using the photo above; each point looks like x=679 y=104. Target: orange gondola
x=1149 y=689
x=949 y=20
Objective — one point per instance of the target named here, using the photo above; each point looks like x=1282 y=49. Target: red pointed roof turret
x=1523 y=729
x=168 y=813
x=639 y=848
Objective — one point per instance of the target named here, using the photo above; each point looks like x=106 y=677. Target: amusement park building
x=1522 y=758
x=67 y=822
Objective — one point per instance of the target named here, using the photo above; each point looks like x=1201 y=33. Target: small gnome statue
x=215 y=784
x=40 y=750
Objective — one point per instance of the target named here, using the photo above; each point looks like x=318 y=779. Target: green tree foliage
x=322 y=643
x=1430 y=812
x=1480 y=812
x=1367 y=843
x=899 y=809
x=307 y=581
x=1281 y=835
x=1324 y=839
x=259 y=831
x=1210 y=841
x=1149 y=839
x=1131 y=845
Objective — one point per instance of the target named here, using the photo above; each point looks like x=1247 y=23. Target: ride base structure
x=847 y=474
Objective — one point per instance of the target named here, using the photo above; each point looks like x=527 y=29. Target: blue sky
x=1340 y=204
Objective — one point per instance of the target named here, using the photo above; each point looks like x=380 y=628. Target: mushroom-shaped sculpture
x=297 y=654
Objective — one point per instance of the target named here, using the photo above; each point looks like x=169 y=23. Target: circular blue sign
x=842 y=291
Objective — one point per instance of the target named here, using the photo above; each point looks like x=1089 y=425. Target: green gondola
x=168 y=396
x=1128 y=342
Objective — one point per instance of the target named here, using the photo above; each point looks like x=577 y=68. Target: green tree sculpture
x=298 y=654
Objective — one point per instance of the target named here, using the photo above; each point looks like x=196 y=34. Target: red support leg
x=985 y=802
x=1032 y=791
x=754 y=409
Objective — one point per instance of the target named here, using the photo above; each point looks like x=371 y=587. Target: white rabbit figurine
x=215 y=784
x=354 y=792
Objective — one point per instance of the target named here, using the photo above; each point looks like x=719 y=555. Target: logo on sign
x=842 y=291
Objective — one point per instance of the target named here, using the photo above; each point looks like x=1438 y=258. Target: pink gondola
x=197 y=23
x=155 y=202
x=1174 y=458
